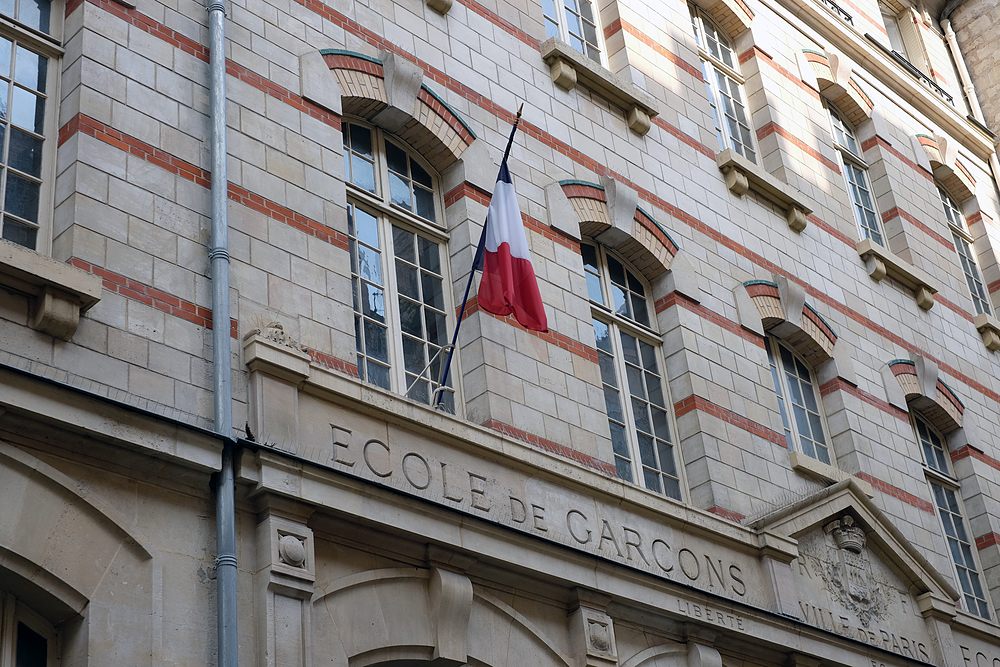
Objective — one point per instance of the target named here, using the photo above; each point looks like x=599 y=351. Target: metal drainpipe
x=970 y=90
x=225 y=505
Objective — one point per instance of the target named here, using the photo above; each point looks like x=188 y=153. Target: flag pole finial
x=519 y=110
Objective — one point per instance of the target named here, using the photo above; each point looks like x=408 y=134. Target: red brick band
x=552 y=447
x=897 y=212
x=871 y=142
x=332 y=362
x=756 y=52
x=657 y=47
x=700 y=404
x=968 y=451
x=838 y=384
x=321 y=9
x=94 y=128
x=168 y=303
x=774 y=128
x=987 y=540
x=557 y=339
x=677 y=299
x=735 y=517
x=896 y=492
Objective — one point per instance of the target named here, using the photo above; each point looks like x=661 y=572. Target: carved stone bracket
x=592 y=632
x=568 y=67
x=989 y=328
x=60 y=292
x=440 y=6
x=742 y=175
x=880 y=262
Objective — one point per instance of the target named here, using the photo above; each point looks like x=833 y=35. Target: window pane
x=32 y=648
x=25 y=152
x=425 y=203
x=378 y=374
x=19 y=233
x=361 y=140
x=409 y=318
x=366 y=227
x=369 y=264
x=406 y=280
x=36 y=14
x=433 y=289
x=437 y=327
x=420 y=174
x=403 y=244
x=399 y=191
x=28 y=110
x=603 y=336
x=22 y=197
x=376 y=342
x=362 y=173
x=395 y=158
x=413 y=355
x=373 y=302
x=30 y=69
x=612 y=403
x=430 y=255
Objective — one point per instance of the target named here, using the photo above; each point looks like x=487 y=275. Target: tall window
x=724 y=83
x=629 y=354
x=398 y=271
x=28 y=59
x=797 y=401
x=24 y=636
x=963 y=240
x=575 y=22
x=943 y=486
x=856 y=175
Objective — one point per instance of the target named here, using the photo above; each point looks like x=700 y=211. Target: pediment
x=854 y=573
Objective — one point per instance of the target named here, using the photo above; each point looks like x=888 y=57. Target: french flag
x=508 y=284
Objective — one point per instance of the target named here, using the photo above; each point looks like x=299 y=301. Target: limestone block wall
x=131 y=207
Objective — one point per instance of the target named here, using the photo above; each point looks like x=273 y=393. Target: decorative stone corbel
x=402 y=85
x=277 y=367
x=989 y=328
x=451 y=607
x=59 y=292
x=592 y=631
x=561 y=214
x=440 y=6
x=700 y=655
x=796 y=218
x=793 y=300
x=736 y=181
x=563 y=74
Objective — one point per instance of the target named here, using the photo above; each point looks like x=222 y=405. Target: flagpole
x=476 y=260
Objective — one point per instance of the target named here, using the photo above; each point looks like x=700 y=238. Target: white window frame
x=49 y=46
x=855 y=169
x=822 y=450
x=557 y=16
x=941 y=477
x=636 y=468
x=388 y=215
x=967 y=256
x=12 y=613
x=719 y=60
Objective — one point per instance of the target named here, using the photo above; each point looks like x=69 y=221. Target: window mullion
x=392 y=316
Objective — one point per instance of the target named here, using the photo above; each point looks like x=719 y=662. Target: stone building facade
x=761 y=429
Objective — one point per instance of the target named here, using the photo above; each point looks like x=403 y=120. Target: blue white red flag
x=508 y=284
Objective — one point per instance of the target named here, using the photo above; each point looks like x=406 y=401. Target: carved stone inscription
x=541 y=508
x=847 y=589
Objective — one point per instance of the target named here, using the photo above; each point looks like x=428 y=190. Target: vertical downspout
x=225 y=506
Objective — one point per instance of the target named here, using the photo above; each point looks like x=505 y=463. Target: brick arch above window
x=733 y=16
x=834 y=76
x=388 y=91
x=924 y=391
x=785 y=314
x=609 y=214
x=942 y=153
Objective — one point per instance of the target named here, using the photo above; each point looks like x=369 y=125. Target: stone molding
x=390 y=92
x=834 y=77
x=609 y=214
x=942 y=154
x=784 y=313
x=59 y=293
x=568 y=67
x=923 y=390
x=733 y=16
x=742 y=175
x=881 y=262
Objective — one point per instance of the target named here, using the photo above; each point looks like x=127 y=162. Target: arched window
x=724 y=83
x=398 y=265
x=944 y=487
x=635 y=393
x=856 y=174
x=29 y=69
x=24 y=635
x=798 y=401
x=963 y=240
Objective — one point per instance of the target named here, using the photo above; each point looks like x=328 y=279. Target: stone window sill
x=569 y=67
x=742 y=175
x=989 y=328
x=881 y=263
x=59 y=292
x=824 y=472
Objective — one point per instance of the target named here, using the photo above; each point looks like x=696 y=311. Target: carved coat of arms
x=848 y=573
